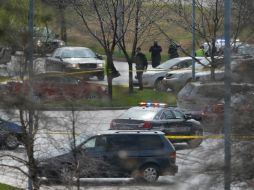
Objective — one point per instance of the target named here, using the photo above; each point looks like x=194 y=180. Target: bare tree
x=102 y=14
x=208 y=23
x=61 y=5
x=137 y=19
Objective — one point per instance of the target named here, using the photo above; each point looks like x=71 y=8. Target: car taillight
x=172 y=155
x=147 y=125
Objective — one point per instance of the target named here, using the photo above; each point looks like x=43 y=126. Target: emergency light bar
x=153 y=104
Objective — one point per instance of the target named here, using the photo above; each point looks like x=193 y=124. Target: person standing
x=172 y=50
x=200 y=52
x=155 y=54
x=141 y=66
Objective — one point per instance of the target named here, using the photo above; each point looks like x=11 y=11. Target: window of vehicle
x=57 y=53
x=178 y=114
x=122 y=142
x=150 y=142
x=184 y=64
x=99 y=141
x=140 y=114
x=167 y=114
x=168 y=64
x=77 y=53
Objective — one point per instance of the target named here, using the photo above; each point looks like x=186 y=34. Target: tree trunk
x=63 y=24
x=130 y=76
x=109 y=73
x=212 y=73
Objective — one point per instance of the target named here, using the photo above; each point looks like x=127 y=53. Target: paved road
x=53 y=133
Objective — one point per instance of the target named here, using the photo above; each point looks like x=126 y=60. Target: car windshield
x=200 y=66
x=168 y=64
x=43 y=33
x=139 y=114
x=77 y=53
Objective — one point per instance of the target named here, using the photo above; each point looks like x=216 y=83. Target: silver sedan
x=152 y=78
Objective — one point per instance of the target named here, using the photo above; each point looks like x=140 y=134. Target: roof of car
x=73 y=47
x=130 y=132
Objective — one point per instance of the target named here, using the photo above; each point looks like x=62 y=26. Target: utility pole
x=227 y=98
x=30 y=74
x=193 y=36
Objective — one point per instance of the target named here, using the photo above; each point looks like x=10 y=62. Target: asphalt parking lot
x=53 y=135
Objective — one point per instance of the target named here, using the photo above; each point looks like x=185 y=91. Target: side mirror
x=188 y=116
x=99 y=56
x=58 y=57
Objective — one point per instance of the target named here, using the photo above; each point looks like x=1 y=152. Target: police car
x=177 y=126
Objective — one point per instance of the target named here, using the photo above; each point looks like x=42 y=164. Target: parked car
x=139 y=154
x=46 y=40
x=175 y=80
x=57 y=85
x=152 y=116
x=152 y=78
x=240 y=102
x=80 y=61
x=10 y=134
x=196 y=95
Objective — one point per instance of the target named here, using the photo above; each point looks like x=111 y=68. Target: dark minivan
x=143 y=155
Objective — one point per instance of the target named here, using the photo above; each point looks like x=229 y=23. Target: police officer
x=141 y=66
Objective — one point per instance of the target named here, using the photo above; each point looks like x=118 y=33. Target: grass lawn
x=121 y=98
x=7 y=187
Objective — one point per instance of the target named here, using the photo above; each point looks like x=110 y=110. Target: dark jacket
x=172 y=51
x=156 y=54
x=141 y=61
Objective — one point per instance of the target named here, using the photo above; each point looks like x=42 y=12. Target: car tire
x=195 y=142
x=66 y=175
x=11 y=142
x=158 y=85
x=149 y=173
x=101 y=77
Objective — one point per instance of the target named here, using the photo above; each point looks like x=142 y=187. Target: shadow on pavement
x=115 y=182
x=181 y=146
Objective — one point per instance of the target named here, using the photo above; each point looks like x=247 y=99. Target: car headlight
x=61 y=43
x=39 y=43
x=99 y=65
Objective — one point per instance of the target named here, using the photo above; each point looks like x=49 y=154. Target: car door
x=168 y=122
x=183 y=127
x=123 y=154
x=92 y=157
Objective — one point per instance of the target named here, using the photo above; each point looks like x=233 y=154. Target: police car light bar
x=153 y=104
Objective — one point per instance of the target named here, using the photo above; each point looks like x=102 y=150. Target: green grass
x=8 y=187
x=3 y=78
x=121 y=98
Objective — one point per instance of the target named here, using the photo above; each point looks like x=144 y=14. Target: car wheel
x=150 y=173
x=195 y=142
x=11 y=142
x=101 y=77
x=66 y=174
x=158 y=85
